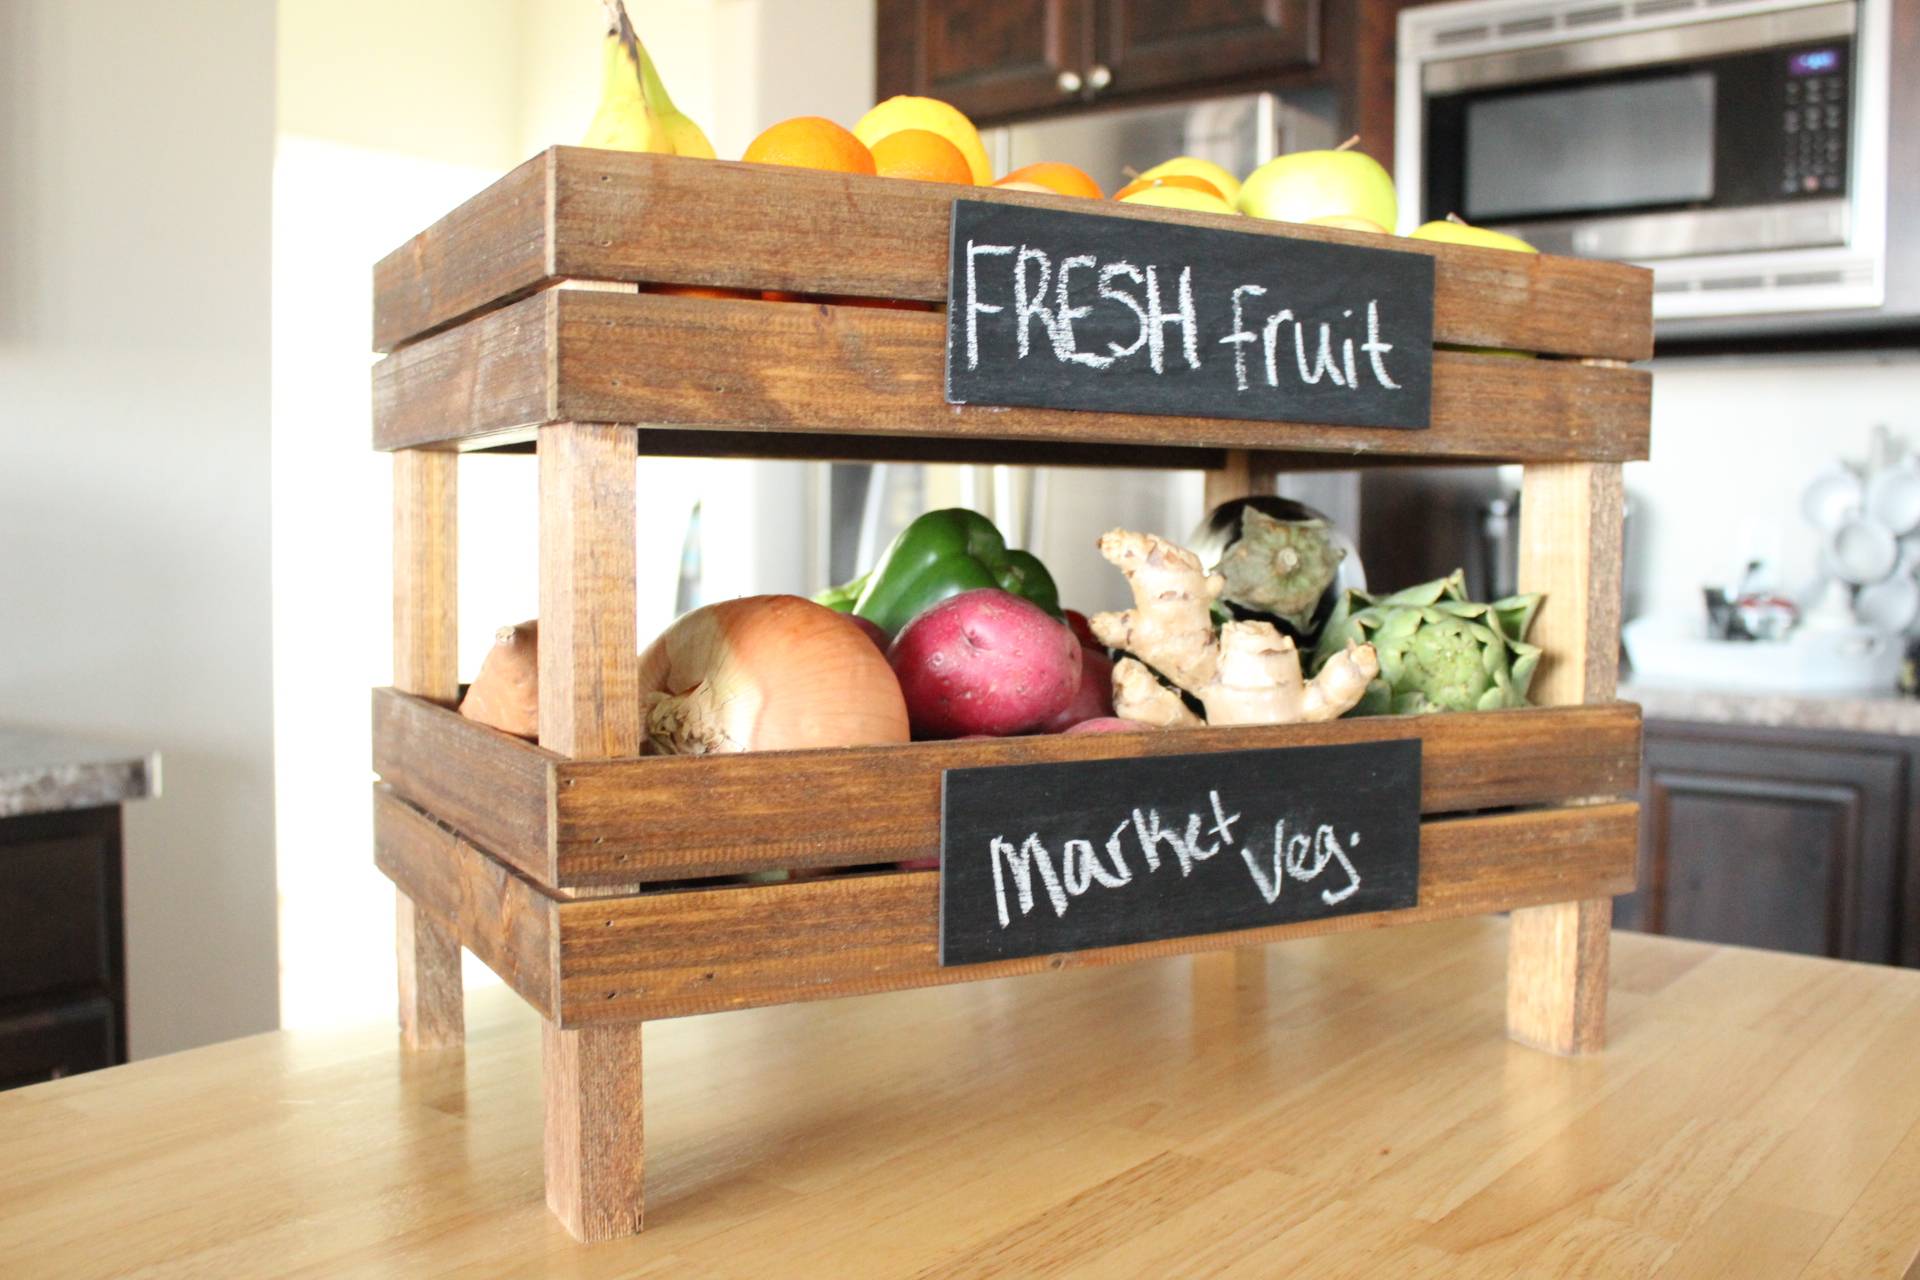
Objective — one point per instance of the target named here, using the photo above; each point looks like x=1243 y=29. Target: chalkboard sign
x=1037 y=859
x=1122 y=315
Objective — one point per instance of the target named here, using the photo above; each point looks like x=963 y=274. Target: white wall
x=135 y=144
x=1734 y=441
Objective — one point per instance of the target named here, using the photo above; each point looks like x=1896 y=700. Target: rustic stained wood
x=488 y=785
x=565 y=823
x=525 y=316
x=426 y=617
x=590 y=708
x=1570 y=549
x=666 y=954
x=661 y=955
x=661 y=219
x=496 y=914
x=573 y=356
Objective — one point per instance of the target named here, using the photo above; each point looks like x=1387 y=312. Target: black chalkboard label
x=1121 y=315
x=1038 y=859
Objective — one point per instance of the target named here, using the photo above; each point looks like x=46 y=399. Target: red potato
x=984 y=661
x=1082 y=628
x=1092 y=700
x=1110 y=724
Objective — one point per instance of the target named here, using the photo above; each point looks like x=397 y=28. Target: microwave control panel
x=1814 y=119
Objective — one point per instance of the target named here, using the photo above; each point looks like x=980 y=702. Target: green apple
x=1170 y=197
x=1194 y=167
x=1307 y=185
x=1450 y=231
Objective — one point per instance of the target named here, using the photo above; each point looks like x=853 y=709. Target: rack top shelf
x=576 y=213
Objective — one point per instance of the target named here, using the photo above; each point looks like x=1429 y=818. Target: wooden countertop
x=1343 y=1106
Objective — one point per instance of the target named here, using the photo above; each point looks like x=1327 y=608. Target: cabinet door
x=1769 y=840
x=990 y=58
x=1159 y=45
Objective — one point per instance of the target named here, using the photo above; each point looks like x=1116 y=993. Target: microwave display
x=1574 y=150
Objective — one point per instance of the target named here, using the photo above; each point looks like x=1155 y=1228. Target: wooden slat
x=487 y=785
x=497 y=915
x=491 y=249
x=623 y=216
x=774 y=367
x=672 y=818
x=668 y=954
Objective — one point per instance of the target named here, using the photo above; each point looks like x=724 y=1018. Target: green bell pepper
x=942 y=554
x=841 y=599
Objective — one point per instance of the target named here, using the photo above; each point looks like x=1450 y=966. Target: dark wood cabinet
x=1005 y=60
x=990 y=58
x=1148 y=46
x=1786 y=839
x=62 y=963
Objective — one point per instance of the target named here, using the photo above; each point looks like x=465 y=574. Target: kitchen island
x=1344 y=1105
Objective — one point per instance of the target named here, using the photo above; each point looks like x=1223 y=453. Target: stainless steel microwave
x=1738 y=147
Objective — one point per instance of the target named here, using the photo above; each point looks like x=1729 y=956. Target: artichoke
x=1439 y=651
x=1282 y=562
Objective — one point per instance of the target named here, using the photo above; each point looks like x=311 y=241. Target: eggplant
x=1283 y=562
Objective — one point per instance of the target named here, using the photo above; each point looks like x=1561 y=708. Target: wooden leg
x=1570 y=549
x=432 y=1015
x=1557 y=975
x=590 y=708
x=591 y=1077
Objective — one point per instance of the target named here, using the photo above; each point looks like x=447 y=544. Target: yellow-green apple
x=1307 y=185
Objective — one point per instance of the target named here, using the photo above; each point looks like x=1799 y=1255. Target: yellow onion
x=767 y=673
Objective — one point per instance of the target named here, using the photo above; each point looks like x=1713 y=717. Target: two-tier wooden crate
x=520 y=322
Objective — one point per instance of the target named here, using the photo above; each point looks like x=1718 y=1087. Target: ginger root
x=1138 y=695
x=1249 y=673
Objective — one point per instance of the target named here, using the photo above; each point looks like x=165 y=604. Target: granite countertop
x=45 y=773
x=1884 y=714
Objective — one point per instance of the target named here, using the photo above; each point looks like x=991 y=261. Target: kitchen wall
x=135 y=147
x=1734 y=441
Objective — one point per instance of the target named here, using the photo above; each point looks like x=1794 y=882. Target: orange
x=933 y=115
x=809 y=142
x=1055 y=176
x=698 y=291
x=1171 y=180
x=918 y=153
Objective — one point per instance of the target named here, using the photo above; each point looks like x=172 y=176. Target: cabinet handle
x=1100 y=77
x=1069 y=82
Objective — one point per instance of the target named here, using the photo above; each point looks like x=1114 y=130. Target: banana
x=688 y=138
x=624 y=121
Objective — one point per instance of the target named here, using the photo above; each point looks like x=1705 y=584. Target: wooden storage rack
x=520 y=322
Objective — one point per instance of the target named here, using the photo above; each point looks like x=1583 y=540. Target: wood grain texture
x=660 y=219
x=494 y=913
x=1570 y=549
x=432 y=1007
x=489 y=786
x=591 y=1082
x=1242 y=472
x=1754 y=1118
x=673 y=817
x=493 y=247
x=426 y=550
x=589 y=661
x=663 y=955
x=747 y=366
x=567 y=823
